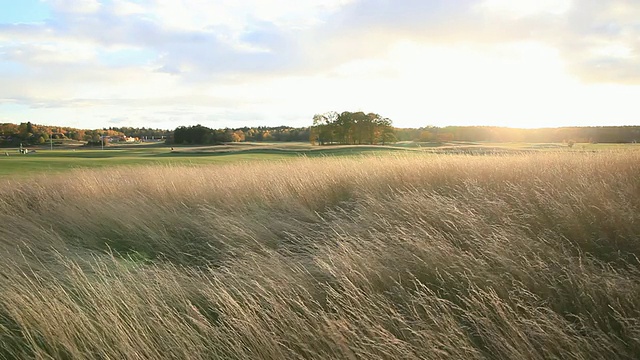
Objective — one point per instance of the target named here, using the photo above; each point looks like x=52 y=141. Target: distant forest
x=597 y=134
x=330 y=128
x=202 y=135
x=333 y=131
x=33 y=134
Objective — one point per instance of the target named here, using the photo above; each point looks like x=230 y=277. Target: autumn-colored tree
x=238 y=136
x=426 y=136
x=266 y=136
x=444 y=137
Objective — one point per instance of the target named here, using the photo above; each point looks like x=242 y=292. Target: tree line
x=33 y=134
x=202 y=135
x=596 y=134
x=351 y=128
x=28 y=133
x=143 y=132
x=328 y=128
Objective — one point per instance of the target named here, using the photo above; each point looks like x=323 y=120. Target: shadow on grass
x=355 y=150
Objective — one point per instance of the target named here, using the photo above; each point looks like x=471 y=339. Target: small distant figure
x=172 y=149
x=6 y=153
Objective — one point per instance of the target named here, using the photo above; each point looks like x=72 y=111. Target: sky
x=233 y=63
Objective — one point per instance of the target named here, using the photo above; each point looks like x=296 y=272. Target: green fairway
x=33 y=165
x=46 y=161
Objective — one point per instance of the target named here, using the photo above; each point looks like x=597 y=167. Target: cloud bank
x=224 y=63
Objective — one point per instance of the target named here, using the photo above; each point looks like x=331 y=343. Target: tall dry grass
x=450 y=257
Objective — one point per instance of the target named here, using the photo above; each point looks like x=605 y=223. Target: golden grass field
x=399 y=256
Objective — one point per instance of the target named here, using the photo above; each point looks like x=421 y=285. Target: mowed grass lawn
x=58 y=160
x=62 y=160
x=46 y=161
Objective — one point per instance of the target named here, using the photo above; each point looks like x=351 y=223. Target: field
x=45 y=161
x=287 y=253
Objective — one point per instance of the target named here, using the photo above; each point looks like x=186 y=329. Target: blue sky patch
x=23 y=11
x=11 y=67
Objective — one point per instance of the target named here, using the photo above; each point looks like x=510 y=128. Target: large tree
x=351 y=128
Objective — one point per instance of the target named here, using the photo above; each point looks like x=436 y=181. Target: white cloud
x=75 y=6
x=238 y=16
x=125 y=7
x=416 y=61
x=523 y=8
x=44 y=54
x=612 y=50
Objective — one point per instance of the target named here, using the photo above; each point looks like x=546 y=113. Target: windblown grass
x=395 y=257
